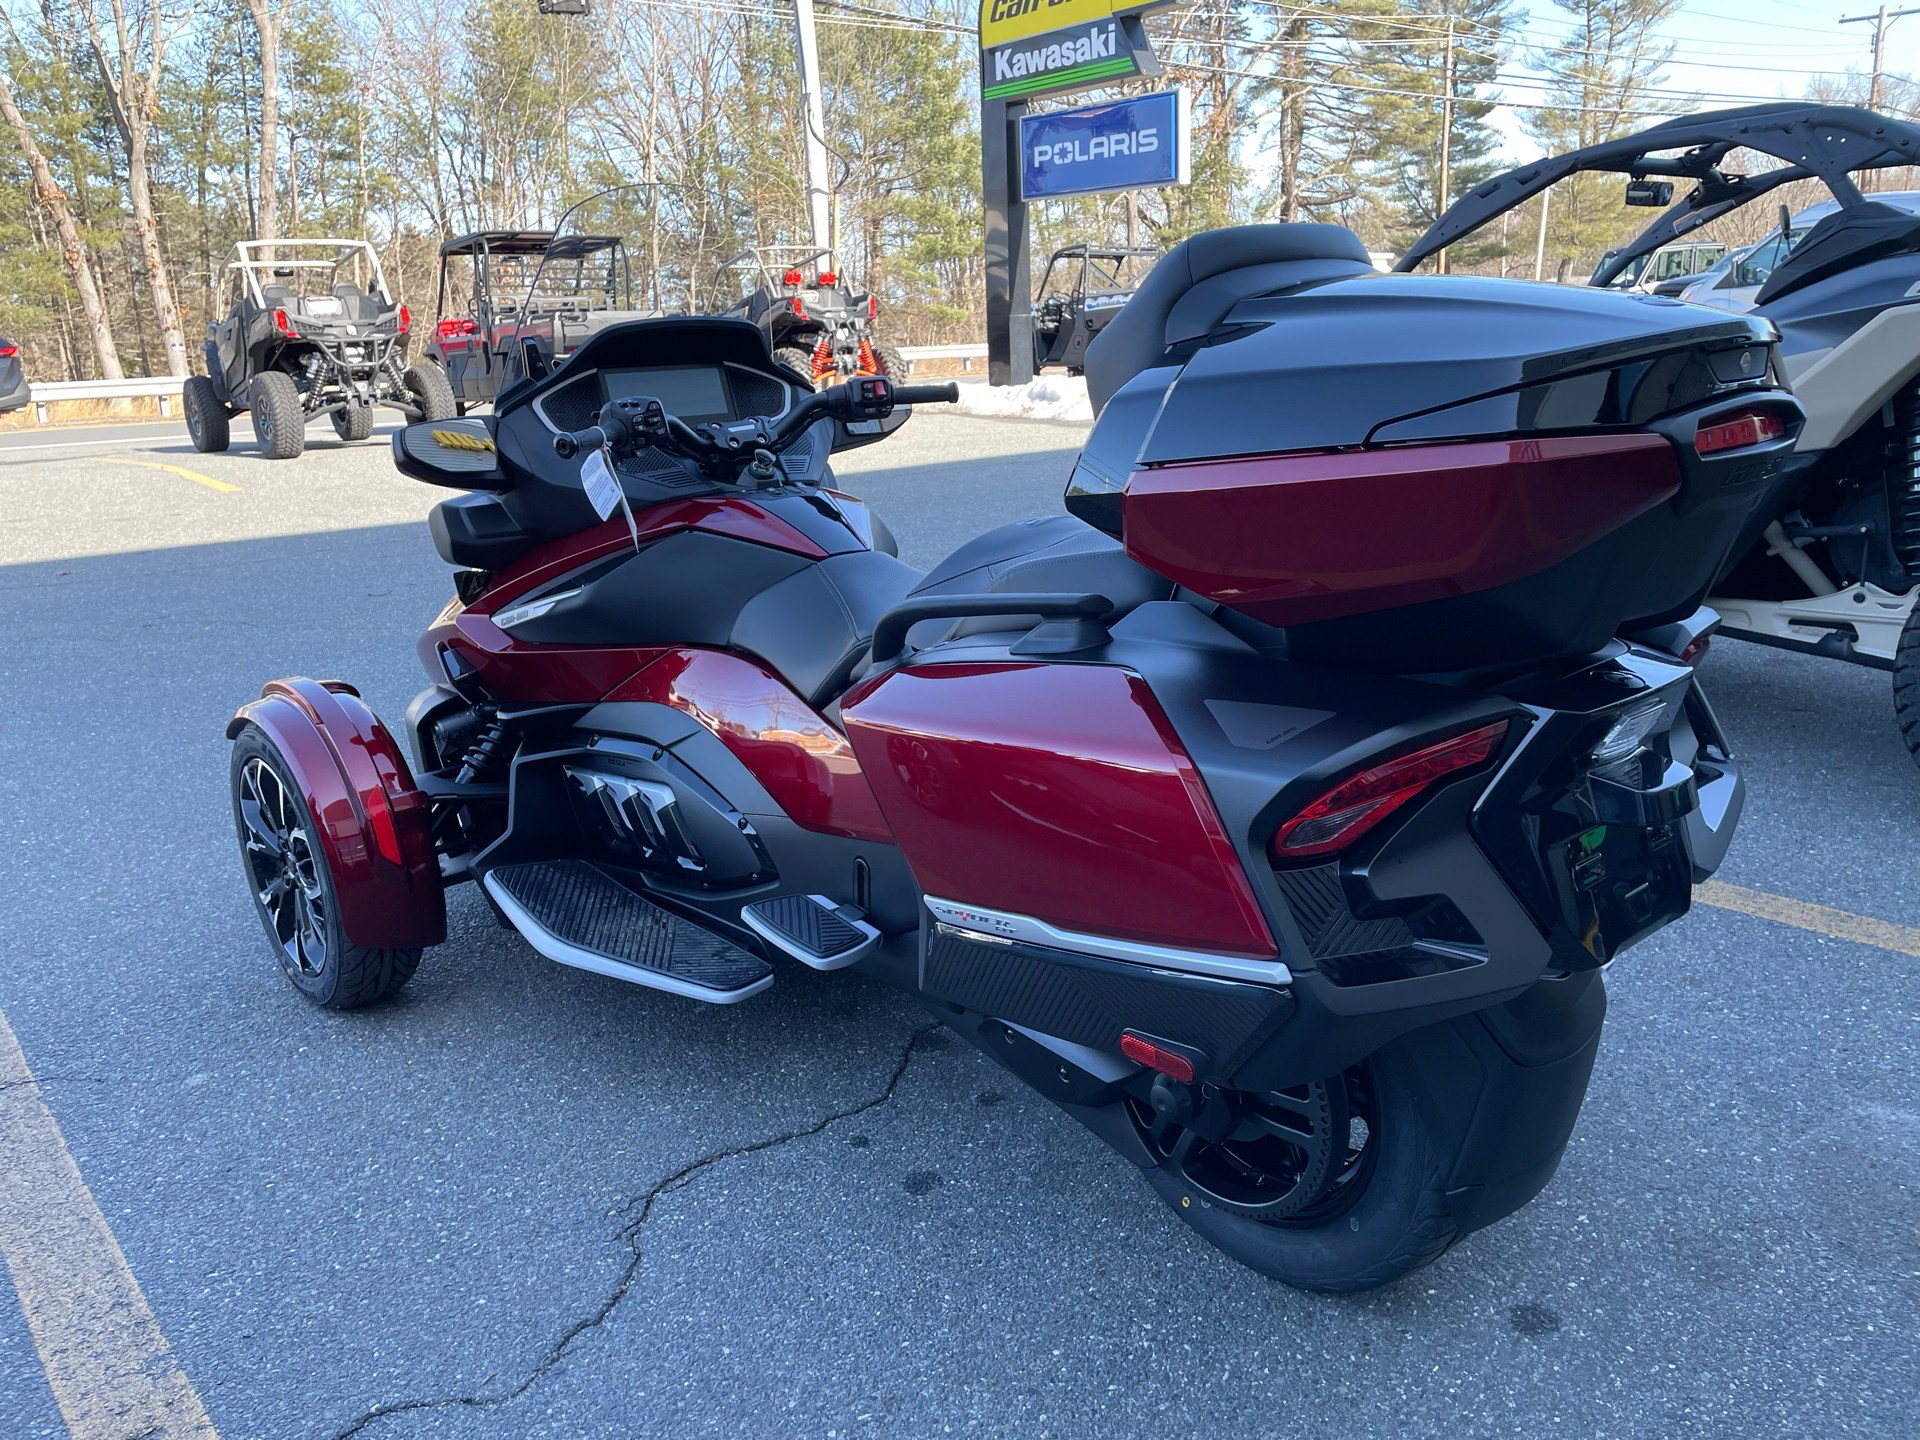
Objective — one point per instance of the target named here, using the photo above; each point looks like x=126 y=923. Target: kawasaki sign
x=1102 y=52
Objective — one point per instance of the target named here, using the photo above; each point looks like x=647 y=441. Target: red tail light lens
x=792 y=277
x=1354 y=806
x=1736 y=432
x=280 y=324
x=7 y=352
x=873 y=307
x=827 y=277
x=452 y=329
x=406 y=319
x=796 y=306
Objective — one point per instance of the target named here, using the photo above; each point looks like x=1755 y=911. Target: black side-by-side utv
x=1084 y=288
x=815 y=323
x=309 y=329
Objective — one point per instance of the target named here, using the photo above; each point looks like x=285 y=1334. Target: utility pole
x=1446 y=138
x=813 y=116
x=1540 y=245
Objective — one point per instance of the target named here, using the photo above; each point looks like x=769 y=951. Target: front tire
x=893 y=364
x=279 y=420
x=1906 y=683
x=799 y=359
x=293 y=890
x=353 y=423
x=432 y=392
x=206 y=417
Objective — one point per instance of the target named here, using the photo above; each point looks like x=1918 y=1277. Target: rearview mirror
x=1649 y=192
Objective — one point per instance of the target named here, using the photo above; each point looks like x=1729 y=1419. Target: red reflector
x=1355 y=806
x=406 y=319
x=827 y=277
x=1157 y=1057
x=1697 y=651
x=873 y=307
x=280 y=324
x=1736 y=432
x=380 y=817
x=792 y=277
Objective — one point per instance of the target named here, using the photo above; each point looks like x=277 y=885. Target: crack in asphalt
x=628 y=1234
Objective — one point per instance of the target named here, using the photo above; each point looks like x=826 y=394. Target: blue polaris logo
x=1128 y=145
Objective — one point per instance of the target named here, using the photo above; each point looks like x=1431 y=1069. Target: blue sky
x=1732 y=52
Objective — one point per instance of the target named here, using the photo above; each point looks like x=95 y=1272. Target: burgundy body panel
x=804 y=763
x=1291 y=539
x=740 y=519
x=344 y=760
x=1057 y=791
x=520 y=673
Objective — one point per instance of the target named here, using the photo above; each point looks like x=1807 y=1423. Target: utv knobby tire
x=1398 y=1224
x=353 y=423
x=799 y=359
x=351 y=975
x=1906 y=683
x=207 y=423
x=279 y=420
x=893 y=364
x=431 y=391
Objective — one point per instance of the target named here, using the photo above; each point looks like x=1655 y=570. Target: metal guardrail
x=45 y=392
x=965 y=354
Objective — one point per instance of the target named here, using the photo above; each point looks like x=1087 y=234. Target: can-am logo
x=1014 y=62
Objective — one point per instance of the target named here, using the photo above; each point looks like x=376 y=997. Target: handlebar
x=624 y=423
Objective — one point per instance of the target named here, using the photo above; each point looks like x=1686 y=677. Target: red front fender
x=373 y=822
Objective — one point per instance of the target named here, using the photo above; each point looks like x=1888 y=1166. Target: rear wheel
x=293 y=890
x=893 y=364
x=797 y=358
x=1333 y=1186
x=206 y=416
x=353 y=423
x=1906 y=683
x=431 y=391
x=279 y=421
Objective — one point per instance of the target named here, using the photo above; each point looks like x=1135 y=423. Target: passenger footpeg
x=579 y=915
x=812 y=929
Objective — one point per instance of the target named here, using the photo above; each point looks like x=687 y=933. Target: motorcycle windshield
x=633 y=249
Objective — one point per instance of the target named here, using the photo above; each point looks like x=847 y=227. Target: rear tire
x=431 y=391
x=893 y=364
x=1906 y=684
x=799 y=359
x=279 y=420
x=1397 y=1223
x=206 y=416
x=293 y=891
x=353 y=423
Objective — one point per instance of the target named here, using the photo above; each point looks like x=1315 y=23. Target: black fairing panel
x=477 y=530
x=1324 y=367
x=816 y=624
x=1847 y=238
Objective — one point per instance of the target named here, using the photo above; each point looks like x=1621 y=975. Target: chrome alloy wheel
x=284 y=868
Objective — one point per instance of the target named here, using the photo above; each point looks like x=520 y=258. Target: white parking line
x=109 y=1367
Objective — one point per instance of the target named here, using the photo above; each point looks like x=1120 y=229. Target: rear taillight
x=406 y=319
x=792 y=277
x=1354 y=806
x=873 y=307
x=280 y=323
x=797 y=306
x=1736 y=432
x=827 y=277
x=7 y=352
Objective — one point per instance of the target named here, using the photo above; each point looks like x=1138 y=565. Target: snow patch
x=1051 y=397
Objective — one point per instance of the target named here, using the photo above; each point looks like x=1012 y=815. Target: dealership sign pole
x=1029 y=49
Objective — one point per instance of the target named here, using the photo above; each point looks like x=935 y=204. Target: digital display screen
x=694 y=393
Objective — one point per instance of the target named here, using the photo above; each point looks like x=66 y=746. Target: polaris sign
x=1135 y=144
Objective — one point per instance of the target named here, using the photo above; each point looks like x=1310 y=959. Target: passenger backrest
x=359 y=305
x=1198 y=281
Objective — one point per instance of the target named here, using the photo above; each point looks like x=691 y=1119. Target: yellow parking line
x=1822 y=920
x=106 y=1361
x=184 y=474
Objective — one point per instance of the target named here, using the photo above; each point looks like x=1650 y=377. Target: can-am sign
x=1101 y=52
x=1129 y=145
x=1004 y=20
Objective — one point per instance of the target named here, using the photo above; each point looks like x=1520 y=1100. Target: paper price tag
x=602 y=489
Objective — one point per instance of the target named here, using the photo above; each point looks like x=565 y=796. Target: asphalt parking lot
x=527 y=1201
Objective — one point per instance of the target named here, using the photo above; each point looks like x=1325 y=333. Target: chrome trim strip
x=554 y=948
x=1001 y=924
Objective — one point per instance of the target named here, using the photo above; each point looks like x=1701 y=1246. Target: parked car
x=14 y=390
x=1668 y=270
x=1733 y=287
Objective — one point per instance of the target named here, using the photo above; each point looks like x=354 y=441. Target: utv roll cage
x=249 y=265
x=1819 y=142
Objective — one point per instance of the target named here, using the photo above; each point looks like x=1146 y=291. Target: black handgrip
x=926 y=394
x=890 y=635
x=568 y=446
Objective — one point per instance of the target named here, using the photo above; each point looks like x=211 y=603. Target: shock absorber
x=480 y=760
x=1903 y=480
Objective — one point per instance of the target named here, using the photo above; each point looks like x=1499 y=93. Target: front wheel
x=279 y=420
x=1906 y=683
x=797 y=358
x=431 y=391
x=892 y=363
x=206 y=417
x=353 y=423
x=293 y=890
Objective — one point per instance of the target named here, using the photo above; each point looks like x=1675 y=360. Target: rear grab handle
x=890 y=635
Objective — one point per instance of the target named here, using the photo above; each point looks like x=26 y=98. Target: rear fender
x=373 y=821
